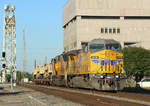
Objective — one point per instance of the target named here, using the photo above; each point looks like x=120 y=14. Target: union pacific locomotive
x=99 y=65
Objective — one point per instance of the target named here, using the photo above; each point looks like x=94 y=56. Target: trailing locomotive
x=99 y=65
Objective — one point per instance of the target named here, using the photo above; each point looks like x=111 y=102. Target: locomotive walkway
x=92 y=97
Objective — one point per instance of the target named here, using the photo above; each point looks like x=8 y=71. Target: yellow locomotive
x=99 y=65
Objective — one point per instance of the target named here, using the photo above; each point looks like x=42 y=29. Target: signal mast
x=9 y=45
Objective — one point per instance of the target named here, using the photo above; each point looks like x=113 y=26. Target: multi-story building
x=127 y=21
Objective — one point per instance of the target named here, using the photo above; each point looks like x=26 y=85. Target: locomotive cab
x=100 y=44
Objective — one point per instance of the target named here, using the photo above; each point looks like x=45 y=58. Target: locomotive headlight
x=117 y=76
x=101 y=76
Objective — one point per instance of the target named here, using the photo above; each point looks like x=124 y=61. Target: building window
x=114 y=30
x=118 y=30
x=106 y=30
x=102 y=30
x=110 y=30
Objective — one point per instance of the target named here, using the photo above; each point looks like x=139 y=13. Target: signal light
x=3 y=54
x=3 y=65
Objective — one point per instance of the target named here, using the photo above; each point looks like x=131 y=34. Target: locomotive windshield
x=96 y=47
x=104 y=44
x=115 y=47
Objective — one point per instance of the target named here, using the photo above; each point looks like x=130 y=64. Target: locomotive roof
x=72 y=52
x=95 y=41
x=103 y=41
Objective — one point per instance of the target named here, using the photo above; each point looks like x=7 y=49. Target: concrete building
x=127 y=21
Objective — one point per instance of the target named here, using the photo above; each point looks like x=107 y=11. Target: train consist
x=99 y=65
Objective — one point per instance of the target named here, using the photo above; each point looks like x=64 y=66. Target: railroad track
x=92 y=97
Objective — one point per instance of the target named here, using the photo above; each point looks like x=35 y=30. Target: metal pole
x=9 y=44
x=45 y=59
x=4 y=47
x=11 y=80
x=24 y=56
x=35 y=63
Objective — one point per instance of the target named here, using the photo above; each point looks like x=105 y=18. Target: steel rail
x=102 y=95
x=94 y=94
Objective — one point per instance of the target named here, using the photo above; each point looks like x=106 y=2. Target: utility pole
x=9 y=45
x=35 y=63
x=45 y=60
x=24 y=55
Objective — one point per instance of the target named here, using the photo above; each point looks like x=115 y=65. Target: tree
x=8 y=77
x=27 y=75
x=21 y=75
x=147 y=73
x=137 y=62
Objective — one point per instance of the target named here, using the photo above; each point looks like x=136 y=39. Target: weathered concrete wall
x=88 y=26
x=70 y=38
x=130 y=30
